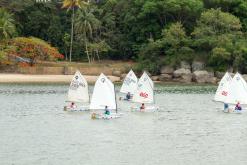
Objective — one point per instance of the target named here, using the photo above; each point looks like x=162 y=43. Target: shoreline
x=8 y=78
x=28 y=78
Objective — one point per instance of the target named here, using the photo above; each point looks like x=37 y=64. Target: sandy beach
x=24 y=78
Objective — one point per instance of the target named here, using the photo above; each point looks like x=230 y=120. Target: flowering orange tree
x=32 y=48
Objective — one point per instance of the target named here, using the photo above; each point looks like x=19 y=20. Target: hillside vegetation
x=154 y=33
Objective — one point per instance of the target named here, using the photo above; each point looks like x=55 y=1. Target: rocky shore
x=186 y=73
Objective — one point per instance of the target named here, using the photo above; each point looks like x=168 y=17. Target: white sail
x=78 y=90
x=144 y=92
x=103 y=94
x=237 y=90
x=130 y=83
x=149 y=79
x=223 y=88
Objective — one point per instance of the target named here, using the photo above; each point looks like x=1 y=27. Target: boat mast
x=115 y=97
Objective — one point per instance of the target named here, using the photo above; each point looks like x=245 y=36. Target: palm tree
x=85 y=25
x=7 y=26
x=71 y=5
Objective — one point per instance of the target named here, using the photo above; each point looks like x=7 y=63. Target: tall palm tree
x=7 y=26
x=71 y=5
x=86 y=23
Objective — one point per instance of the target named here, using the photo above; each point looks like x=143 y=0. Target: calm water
x=189 y=130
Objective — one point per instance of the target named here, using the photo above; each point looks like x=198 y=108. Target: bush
x=34 y=49
x=31 y=48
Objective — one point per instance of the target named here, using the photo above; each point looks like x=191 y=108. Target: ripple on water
x=188 y=129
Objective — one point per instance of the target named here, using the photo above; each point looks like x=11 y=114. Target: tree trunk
x=97 y=53
x=72 y=33
x=89 y=61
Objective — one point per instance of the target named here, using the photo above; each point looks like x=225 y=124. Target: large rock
x=197 y=65
x=116 y=73
x=182 y=75
x=185 y=65
x=166 y=70
x=179 y=72
x=155 y=78
x=212 y=80
x=165 y=77
x=204 y=76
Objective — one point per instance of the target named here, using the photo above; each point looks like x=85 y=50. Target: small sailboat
x=237 y=92
x=145 y=94
x=78 y=94
x=129 y=84
x=223 y=88
x=104 y=95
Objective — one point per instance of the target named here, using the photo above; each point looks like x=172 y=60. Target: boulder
x=155 y=78
x=212 y=80
x=197 y=65
x=123 y=76
x=185 y=65
x=165 y=77
x=187 y=78
x=179 y=72
x=204 y=76
x=116 y=73
x=166 y=70
x=211 y=74
x=184 y=78
x=182 y=75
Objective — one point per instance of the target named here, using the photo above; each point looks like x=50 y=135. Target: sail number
x=75 y=84
x=128 y=81
x=224 y=93
x=144 y=94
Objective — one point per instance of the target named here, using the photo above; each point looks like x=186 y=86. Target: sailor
x=238 y=107
x=128 y=96
x=226 y=107
x=142 y=108
x=107 y=112
x=72 y=105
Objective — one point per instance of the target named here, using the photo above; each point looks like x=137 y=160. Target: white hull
x=124 y=99
x=232 y=111
x=105 y=116
x=153 y=108
x=76 y=109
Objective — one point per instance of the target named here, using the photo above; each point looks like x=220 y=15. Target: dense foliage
x=152 y=32
x=29 y=48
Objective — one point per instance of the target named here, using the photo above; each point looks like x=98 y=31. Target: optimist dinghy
x=104 y=95
x=237 y=92
x=78 y=94
x=223 y=89
x=145 y=94
x=129 y=85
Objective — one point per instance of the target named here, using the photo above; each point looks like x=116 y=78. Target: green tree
x=217 y=33
x=177 y=44
x=71 y=5
x=7 y=26
x=86 y=24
